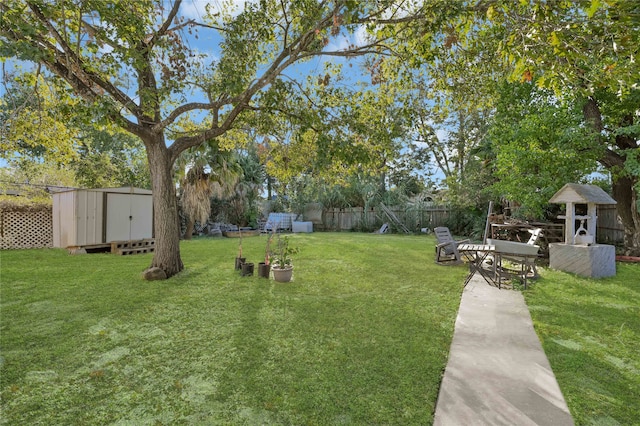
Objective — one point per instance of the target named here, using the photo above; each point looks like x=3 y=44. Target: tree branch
x=297 y=49
x=94 y=32
x=73 y=64
x=192 y=106
x=165 y=25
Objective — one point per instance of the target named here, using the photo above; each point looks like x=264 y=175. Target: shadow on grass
x=361 y=336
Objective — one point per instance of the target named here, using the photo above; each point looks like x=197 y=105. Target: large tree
x=133 y=62
x=538 y=145
x=586 y=51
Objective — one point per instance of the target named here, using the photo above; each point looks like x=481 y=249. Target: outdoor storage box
x=302 y=226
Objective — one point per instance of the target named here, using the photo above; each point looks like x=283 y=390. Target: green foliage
x=110 y=157
x=304 y=189
x=10 y=203
x=37 y=121
x=224 y=184
x=407 y=173
x=539 y=145
x=43 y=131
x=584 y=53
x=243 y=208
x=348 y=130
x=467 y=222
x=584 y=45
x=31 y=179
x=281 y=254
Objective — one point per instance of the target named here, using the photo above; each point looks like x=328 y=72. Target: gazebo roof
x=584 y=194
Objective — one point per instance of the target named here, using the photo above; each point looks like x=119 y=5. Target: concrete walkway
x=497 y=373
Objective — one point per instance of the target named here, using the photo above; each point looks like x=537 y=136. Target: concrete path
x=497 y=373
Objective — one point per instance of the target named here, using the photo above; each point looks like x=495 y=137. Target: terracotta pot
x=263 y=270
x=283 y=275
x=247 y=269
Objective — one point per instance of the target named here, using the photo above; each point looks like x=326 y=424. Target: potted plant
x=247 y=269
x=239 y=259
x=282 y=265
x=265 y=267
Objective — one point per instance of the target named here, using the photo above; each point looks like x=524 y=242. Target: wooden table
x=521 y=266
x=476 y=254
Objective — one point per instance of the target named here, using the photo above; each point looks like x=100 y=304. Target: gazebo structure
x=580 y=254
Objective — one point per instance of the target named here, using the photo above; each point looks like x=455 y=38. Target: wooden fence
x=609 y=229
x=367 y=220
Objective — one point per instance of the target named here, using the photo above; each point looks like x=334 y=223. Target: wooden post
x=570 y=224
x=591 y=222
x=488 y=224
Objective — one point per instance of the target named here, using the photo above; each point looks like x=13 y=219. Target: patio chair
x=447 y=247
x=535 y=235
x=383 y=229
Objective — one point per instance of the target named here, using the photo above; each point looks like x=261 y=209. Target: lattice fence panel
x=26 y=229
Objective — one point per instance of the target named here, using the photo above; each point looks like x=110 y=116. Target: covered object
x=85 y=217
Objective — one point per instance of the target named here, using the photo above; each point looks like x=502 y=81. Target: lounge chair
x=383 y=229
x=447 y=247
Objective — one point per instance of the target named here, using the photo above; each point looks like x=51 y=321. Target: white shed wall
x=77 y=218
x=89 y=218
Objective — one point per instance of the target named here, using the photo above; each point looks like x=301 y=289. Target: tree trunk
x=624 y=194
x=165 y=209
x=623 y=187
x=189 y=231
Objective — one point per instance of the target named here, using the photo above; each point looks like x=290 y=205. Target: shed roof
x=121 y=190
x=577 y=193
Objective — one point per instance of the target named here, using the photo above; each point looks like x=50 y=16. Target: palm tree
x=243 y=203
x=203 y=172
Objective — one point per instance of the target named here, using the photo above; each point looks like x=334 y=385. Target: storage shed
x=86 y=217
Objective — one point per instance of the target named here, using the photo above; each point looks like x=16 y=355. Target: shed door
x=129 y=217
x=141 y=217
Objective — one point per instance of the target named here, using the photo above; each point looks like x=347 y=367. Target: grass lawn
x=360 y=337
x=590 y=331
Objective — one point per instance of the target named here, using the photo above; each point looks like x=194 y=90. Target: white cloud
x=338 y=44
x=442 y=134
x=197 y=9
x=405 y=9
x=206 y=57
x=346 y=41
x=361 y=37
x=194 y=9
